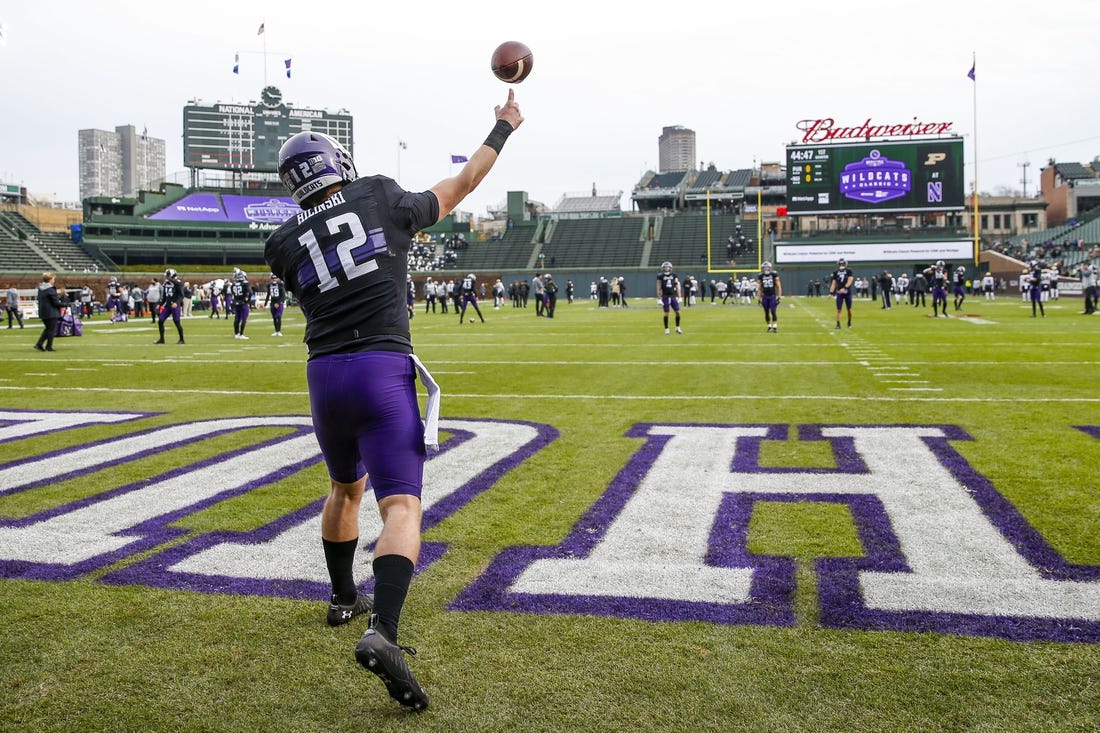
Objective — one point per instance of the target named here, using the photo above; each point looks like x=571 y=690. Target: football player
x=1035 y=287
x=938 y=280
x=114 y=300
x=171 y=303
x=467 y=290
x=276 y=300
x=958 y=286
x=669 y=294
x=770 y=291
x=840 y=286
x=241 y=290
x=361 y=367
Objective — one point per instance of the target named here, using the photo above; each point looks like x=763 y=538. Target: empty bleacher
x=683 y=242
x=45 y=250
x=606 y=242
x=16 y=256
x=511 y=252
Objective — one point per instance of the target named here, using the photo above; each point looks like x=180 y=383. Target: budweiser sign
x=826 y=130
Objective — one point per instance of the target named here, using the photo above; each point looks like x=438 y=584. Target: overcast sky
x=607 y=78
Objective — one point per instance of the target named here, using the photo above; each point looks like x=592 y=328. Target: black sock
x=339 y=557
x=392 y=577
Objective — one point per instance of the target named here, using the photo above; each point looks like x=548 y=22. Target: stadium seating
x=512 y=251
x=38 y=250
x=609 y=242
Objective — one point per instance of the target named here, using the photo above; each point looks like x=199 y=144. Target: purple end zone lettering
x=283 y=558
x=971 y=563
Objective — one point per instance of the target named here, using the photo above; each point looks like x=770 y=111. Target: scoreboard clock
x=247 y=137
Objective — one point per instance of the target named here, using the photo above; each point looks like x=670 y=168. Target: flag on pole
x=145 y=133
x=236 y=63
x=971 y=72
x=403 y=144
x=287 y=62
x=459 y=159
x=260 y=32
x=102 y=148
x=3 y=33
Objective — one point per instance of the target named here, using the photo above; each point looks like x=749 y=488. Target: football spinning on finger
x=512 y=62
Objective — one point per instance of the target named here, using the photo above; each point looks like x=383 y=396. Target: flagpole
x=977 y=220
x=263 y=26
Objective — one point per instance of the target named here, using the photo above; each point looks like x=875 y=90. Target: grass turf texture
x=81 y=655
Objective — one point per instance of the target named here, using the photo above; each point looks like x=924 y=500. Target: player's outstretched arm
x=450 y=191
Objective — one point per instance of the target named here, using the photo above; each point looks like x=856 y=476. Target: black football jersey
x=767 y=282
x=346 y=260
x=668 y=283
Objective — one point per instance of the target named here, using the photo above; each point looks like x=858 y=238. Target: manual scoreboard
x=247 y=137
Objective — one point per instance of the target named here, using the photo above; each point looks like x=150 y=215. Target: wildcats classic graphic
x=942 y=549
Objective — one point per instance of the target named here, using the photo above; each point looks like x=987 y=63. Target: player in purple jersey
x=840 y=285
x=669 y=293
x=958 y=286
x=770 y=290
x=938 y=279
x=345 y=257
x=1035 y=278
x=241 y=290
x=467 y=290
x=276 y=300
x=114 y=300
x=171 y=303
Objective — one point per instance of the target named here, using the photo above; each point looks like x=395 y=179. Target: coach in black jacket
x=49 y=310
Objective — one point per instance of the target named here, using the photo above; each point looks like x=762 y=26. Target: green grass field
x=960 y=451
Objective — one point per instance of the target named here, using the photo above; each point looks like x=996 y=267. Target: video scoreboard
x=247 y=137
x=862 y=178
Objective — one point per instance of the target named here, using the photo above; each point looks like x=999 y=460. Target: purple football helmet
x=312 y=161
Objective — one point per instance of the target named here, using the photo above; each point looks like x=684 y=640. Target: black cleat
x=379 y=655
x=181 y=341
x=339 y=614
x=159 y=341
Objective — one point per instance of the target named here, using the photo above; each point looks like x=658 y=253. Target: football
x=512 y=62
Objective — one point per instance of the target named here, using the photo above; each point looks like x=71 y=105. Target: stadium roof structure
x=1073 y=171
x=596 y=202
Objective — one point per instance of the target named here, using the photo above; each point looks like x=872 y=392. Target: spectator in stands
x=49 y=310
x=11 y=305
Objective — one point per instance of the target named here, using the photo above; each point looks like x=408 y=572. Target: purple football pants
x=367 y=419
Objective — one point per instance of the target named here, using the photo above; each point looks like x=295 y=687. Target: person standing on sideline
x=153 y=296
x=538 y=292
x=669 y=293
x=886 y=288
x=276 y=301
x=840 y=286
x=11 y=305
x=1087 y=273
x=361 y=367
x=171 y=300
x=49 y=310
x=771 y=290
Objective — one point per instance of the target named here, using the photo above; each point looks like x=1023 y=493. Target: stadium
x=887 y=526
